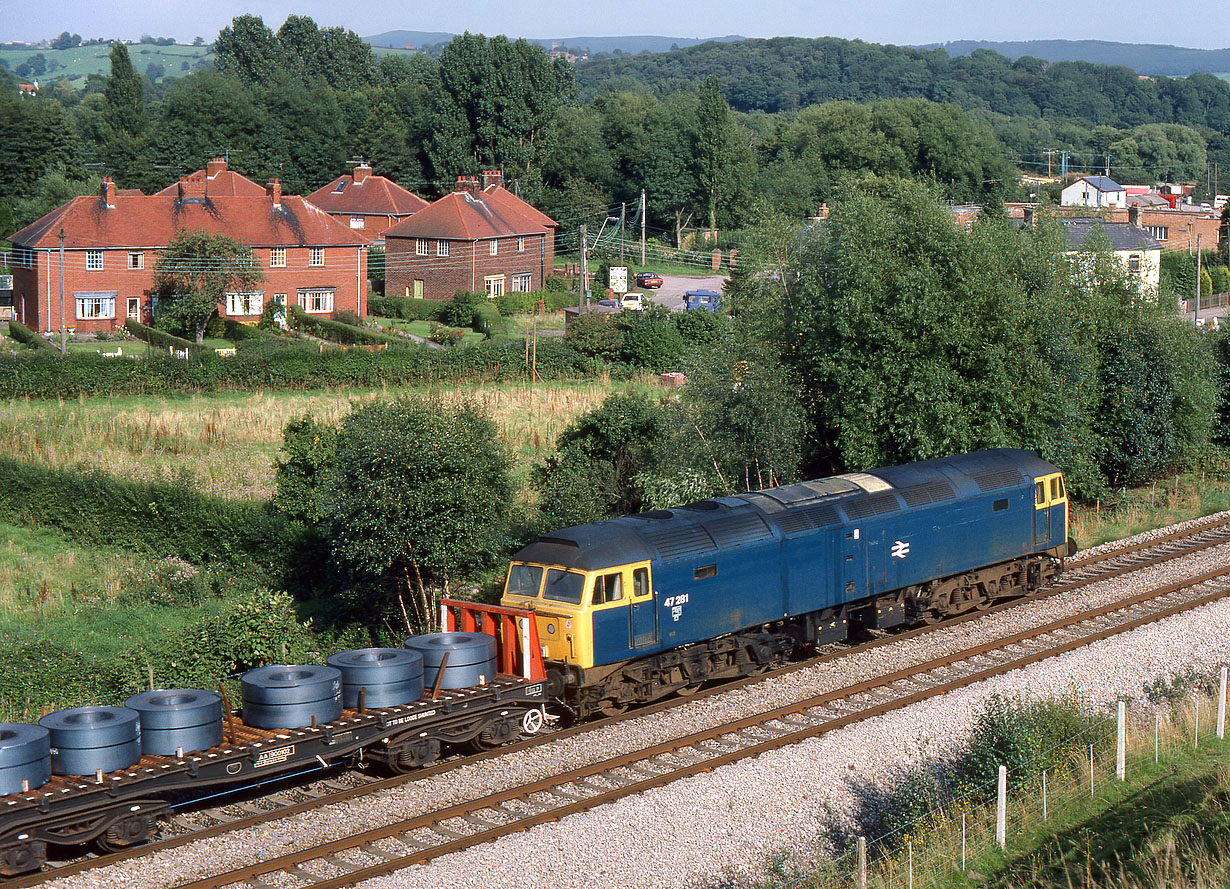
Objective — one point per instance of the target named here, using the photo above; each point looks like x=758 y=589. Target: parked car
x=633 y=301
x=702 y=301
x=648 y=280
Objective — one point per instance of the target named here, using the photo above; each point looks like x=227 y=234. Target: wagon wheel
x=125 y=832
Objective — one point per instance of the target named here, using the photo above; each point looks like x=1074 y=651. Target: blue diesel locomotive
x=641 y=606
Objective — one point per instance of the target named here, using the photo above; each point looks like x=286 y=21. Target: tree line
x=303 y=102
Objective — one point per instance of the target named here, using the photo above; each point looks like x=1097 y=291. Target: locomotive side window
x=1060 y=480
x=1000 y=505
x=640 y=582
x=608 y=588
x=704 y=571
x=1055 y=488
x=564 y=586
x=1039 y=493
x=524 y=580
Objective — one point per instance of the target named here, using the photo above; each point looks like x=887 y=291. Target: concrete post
x=1221 y=707
x=1001 y=809
x=861 y=878
x=1121 y=743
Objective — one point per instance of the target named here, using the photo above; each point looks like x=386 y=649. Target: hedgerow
x=156 y=337
x=338 y=331
x=275 y=364
x=23 y=334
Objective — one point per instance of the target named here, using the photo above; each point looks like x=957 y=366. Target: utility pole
x=63 y=328
x=1108 y=165
x=642 y=228
x=1198 y=236
x=583 y=289
x=623 y=215
x=1050 y=154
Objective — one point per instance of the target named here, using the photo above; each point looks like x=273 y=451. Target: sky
x=1202 y=24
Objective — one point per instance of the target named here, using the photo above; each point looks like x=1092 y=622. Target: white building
x=1094 y=191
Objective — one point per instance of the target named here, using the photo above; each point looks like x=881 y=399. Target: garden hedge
x=23 y=334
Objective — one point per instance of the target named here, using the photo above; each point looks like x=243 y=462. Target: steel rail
x=391 y=863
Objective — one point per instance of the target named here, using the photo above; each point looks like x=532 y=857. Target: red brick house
x=477 y=238
x=369 y=205
x=110 y=243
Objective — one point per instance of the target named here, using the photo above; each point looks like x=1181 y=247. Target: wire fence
x=968 y=829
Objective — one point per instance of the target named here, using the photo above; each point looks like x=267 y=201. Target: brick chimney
x=492 y=177
x=1134 y=214
x=108 y=191
x=274 y=190
x=192 y=186
x=466 y=183
x=361 y=172
x=215 y=166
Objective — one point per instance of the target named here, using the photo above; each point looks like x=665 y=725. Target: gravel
x=723 y=827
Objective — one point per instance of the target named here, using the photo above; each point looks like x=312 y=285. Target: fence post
x=1221 y=707
x=1044 y=794
x=1196 y=729
x=1001 y=809
x=910 y=852
x=1121 y=743
x=1157 y=727
x=963 y=842
x=1091 y=771
x=860 y=879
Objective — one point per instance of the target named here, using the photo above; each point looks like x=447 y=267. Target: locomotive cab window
x=524 y=580
x=564 y=586
x=704 y=571
x=640 y=582
x=608 y=588
x=1040 y=493
x=1000 y=505
x=1055 y=488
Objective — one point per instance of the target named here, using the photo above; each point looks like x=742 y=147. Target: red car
x=648 y=279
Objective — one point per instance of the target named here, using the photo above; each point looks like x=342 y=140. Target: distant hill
x=1146 y=58
x=635 y=44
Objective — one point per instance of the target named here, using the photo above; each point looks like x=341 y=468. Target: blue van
x=702 y=301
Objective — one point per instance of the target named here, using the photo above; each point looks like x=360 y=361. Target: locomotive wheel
x=130 y=831
x=611 y=707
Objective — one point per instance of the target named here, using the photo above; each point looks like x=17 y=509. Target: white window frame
x=420 y=246
x=316 y=256
x=94 y=308
x=493 y=247
x=136 y=259
x=134 y=307
x=522 y=283
x=521 y=243
x=358 y=222
x=277 y=258
x=442 y=248
x=316 y=302
x=93 y=260
x=494 y=285
x=244 y=303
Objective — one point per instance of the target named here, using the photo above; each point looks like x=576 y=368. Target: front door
x=643 y=615
x=1042 y=516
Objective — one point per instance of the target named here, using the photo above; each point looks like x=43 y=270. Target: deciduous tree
x=195 y=272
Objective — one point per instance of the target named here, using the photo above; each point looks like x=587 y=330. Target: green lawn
x=424 y=329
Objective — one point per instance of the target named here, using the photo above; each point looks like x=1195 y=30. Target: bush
x=447 y=336
x=460 y=312
x=488 y=320
x=156 y=337
x=595 y=334
x=652 y=342
x=406 y=309
x=23 y=334
x=558 y=284
x=347 y=317
x=338 y=331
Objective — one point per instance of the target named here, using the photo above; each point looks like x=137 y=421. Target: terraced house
x=100 y=250
x=368 y=204
x=481 y=238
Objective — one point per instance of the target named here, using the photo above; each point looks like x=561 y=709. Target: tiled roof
x=154 y=220
x=465 y=216
x=1122 y=235
x=373 y=195
x=225 y=183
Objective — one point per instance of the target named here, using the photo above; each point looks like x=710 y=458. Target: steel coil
x=391 y=676
x=282 y=696
x=25 y=757
x=86 y=739
x=471 y=658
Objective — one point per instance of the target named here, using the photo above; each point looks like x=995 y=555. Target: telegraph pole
x=63 y=328
x=642 y=228
x=583 y=289
x=623 y=215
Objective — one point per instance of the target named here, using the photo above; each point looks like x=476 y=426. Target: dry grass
x=226 y=442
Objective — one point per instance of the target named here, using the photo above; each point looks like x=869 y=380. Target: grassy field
x=1171 y=500
x=74 y=64
x=226 y=442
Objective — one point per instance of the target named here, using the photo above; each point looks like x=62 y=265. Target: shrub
x=488 y=320
x=447 y=336
x=156 y=337
x=558 y=284
x=652 y=342
x=595 y=334
x=405 y=308
x=23 y=334
x=338 y=331
x=460 y=312
x=347 y=317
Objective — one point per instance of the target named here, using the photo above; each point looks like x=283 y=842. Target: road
x=670 y=294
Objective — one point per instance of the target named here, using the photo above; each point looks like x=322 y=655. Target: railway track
x=287 y=799
x=383 y=851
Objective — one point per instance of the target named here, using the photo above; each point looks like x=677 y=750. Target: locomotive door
x=853 y=566
x=642 y=615
x=1050 y=503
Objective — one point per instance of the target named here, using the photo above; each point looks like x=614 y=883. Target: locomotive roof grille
x=994 y=479
x=819 y=516
x=932 y=492
x=734 y=530
x=875 y=504
x=680 y=541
